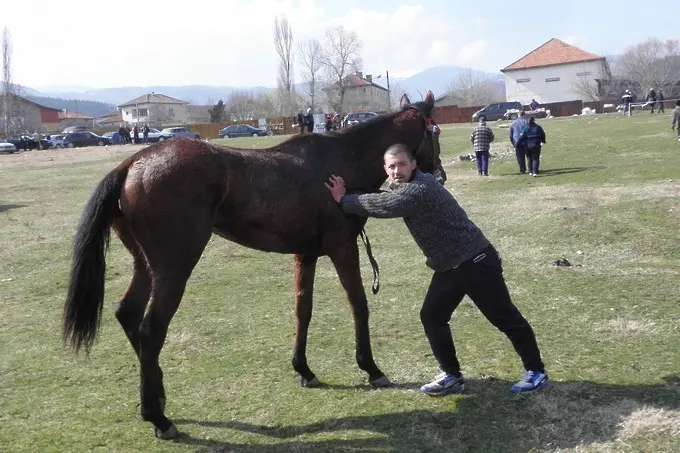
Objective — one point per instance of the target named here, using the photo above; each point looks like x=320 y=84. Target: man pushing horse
x=463 y=260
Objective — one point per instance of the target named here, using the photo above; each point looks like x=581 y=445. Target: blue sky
x=84 y=43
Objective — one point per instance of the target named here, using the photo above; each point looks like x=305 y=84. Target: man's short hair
x=677 y=102
x=398 y=149
x=521 y=113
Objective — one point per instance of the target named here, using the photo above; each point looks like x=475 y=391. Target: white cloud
x=227 y=43
x=472 y=53
x=578 y=41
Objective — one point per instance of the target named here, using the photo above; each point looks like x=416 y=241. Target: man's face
x=399 y=168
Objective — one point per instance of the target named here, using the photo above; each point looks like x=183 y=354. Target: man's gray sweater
x=440 y=227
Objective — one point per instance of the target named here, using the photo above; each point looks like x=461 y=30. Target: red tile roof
x=353 y=80
x=551 y=53
x=72 y=115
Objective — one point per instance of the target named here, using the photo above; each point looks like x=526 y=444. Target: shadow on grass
x=7 y=207
x=560 y=171
x=487 y=418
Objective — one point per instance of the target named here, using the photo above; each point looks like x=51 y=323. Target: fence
x=442 y=115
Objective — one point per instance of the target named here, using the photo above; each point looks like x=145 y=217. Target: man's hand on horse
x=337 y=187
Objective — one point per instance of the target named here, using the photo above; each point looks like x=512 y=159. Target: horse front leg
x=346 y=262
x=305 y=268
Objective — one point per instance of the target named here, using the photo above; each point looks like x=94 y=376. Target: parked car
x=78 y=139
x=56 y=141
x=6 y=147
x=70 y=129
x=170 y=132
x=495 y=111
x=357 y=117
x=27 y=142
x=154 y=135
x=242 y=130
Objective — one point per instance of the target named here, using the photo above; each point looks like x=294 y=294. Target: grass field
x=608 y=200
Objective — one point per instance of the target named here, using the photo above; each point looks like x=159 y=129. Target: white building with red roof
x=555 y=72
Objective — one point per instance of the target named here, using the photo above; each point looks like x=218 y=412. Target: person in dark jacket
x=532 y=137
x=481 y=139
x=515 y=131
x=676 y=118
x=627 y=100
x=651 y=98
x=309 y=121
x=145 y=133
x=301 y=121
x=463 y=260
x=660 y=99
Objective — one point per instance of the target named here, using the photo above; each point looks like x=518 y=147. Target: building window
x=552 y=79
x=583 y=74
x=142 y=112
x=524 y=80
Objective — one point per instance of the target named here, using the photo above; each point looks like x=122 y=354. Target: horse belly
x=270 y=235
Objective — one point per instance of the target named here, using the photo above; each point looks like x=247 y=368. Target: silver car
x=170 y=132
x=56 y=141
x=6 y=147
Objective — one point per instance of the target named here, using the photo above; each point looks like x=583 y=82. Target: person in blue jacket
x=520 y=151
x=532 y=137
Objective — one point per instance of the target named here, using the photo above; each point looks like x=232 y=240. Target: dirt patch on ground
x=66 y=155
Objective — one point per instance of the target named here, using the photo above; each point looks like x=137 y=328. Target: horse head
x=428 y=153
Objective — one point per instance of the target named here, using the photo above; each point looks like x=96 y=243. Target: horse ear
x=429 y=99
x=404 y=101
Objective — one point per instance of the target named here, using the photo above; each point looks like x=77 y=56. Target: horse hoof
x=381 y=382
x=169 y=433
x=314 y=382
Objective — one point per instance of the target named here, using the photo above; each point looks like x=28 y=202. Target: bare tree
x=652 y=64
x=7 y=88
x=283 y=42
x=341 y=56
x=395 y=94
x=593 y=86
x=311 y=56
x=243 y=105
x=473 y=88
x=161 y=115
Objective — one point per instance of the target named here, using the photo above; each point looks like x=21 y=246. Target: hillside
x=91 y=108
x=437 y=79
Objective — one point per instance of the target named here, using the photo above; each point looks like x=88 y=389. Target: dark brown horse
x=166 y=201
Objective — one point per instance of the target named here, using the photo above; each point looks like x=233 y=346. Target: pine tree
x=217 y=112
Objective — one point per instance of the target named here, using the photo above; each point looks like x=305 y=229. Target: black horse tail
x=85 y=299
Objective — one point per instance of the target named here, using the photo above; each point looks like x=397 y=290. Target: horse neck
x=369 y=148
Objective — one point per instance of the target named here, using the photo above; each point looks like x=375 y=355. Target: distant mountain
x=90 y=108
x=437 y=79
x=194 y=94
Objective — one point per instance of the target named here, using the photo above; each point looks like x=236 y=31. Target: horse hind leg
x=131 y=306
x=130 y=311
x=305 y=268
x=171 y=257
x=166 y=297
x=346 y=262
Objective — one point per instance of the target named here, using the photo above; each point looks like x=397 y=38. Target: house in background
x=198 y=114
x=445 y=101
x=110 y=121
x=361 y=94
x=556 y=72
x=28 y=116
x=155 y=109
x=68 y=119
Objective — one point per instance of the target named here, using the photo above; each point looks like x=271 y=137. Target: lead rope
x=374 y=263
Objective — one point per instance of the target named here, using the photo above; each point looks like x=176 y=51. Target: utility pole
x=389 y=98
